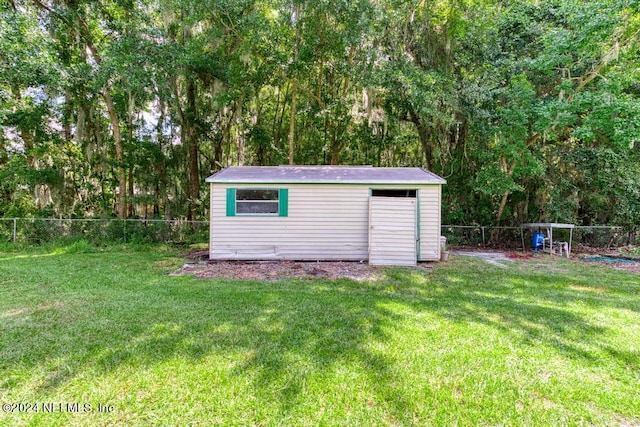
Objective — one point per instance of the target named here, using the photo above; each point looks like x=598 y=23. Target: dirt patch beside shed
x=278 y=270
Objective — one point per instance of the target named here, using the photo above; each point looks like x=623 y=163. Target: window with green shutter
x=257 y=202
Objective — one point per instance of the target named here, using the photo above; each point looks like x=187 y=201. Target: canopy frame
x=549 y=226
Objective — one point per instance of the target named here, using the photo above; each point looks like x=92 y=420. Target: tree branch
x=608 y=56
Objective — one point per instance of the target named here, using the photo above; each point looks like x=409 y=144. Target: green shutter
x=284 y=202
x=231 y=202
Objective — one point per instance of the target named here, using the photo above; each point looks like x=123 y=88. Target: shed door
x=392 y=231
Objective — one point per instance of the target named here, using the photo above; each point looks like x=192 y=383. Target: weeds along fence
x=34 y=231
x=518 y=238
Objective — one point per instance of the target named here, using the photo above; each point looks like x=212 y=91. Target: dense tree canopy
x=530 y=109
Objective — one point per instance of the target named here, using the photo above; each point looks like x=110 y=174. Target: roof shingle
x=324 y=175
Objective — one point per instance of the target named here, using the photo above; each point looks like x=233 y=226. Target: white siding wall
x=325 y=222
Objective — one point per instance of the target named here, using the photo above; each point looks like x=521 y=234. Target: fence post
x=483 y=244
x=15 y=229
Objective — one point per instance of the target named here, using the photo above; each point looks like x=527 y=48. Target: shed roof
x=324 y=175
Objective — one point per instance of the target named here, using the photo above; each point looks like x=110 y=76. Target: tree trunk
x=115 y=125
x=193 y=149
x=294 y=89
x=239 y=133
x=80 y=126
x=335 y=155
x=292 y=124
x=160 y=201
x=508 y=170
x=277 y=124
x=425 y=140
x=131 y=204
x=334 y=146
x=131 y=187
x=503 y=204
x=66 y=117
x=117 y=139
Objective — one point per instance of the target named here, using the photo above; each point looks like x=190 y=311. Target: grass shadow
x=535 y=307
x=118 y=313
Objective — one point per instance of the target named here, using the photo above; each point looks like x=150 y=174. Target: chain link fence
x=99 y=231
x=518 y=238
x=102 y=231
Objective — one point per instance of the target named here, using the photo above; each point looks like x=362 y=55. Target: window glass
x=257 y=202
x=252 y=207
x=253 y=194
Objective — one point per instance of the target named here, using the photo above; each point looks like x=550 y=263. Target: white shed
x=389 y=216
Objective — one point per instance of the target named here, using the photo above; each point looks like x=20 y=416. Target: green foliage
x=529 y=109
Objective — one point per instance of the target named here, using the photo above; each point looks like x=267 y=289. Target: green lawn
x=545 y=342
